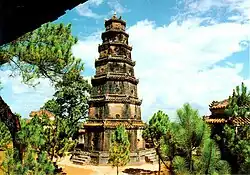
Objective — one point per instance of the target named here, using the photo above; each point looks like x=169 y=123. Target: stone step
x=148 y=151
x=153 y=162
x=78 y=162
x=83 y=157
x=151 y=156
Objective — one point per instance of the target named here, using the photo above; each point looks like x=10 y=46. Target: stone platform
x=101 y=158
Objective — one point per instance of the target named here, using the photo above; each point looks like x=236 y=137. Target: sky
x=192 y=51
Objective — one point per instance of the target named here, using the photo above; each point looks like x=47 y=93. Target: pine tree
x=44 y=52
x=119 y=154
x=157 y=129
x=197 y=153
x=239 y=102
x=32 y=163
x=185 y=144
x=235 y=145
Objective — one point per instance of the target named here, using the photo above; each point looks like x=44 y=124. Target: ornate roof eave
x=114 y=100
x=236 y=121
x=106 y=59
x=218 y=104
x=107 y=32
x=98 y=79
x=106 y=45
x=109 y=21
x=114 y=123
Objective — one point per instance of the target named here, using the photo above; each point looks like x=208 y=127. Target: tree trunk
x=159 y=161
x=117 y=170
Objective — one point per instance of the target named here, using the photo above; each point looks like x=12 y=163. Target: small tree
x=156 y=131
x=119 y=154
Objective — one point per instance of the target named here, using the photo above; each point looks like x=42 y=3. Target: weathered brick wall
x=140 y=140
x=116 y=109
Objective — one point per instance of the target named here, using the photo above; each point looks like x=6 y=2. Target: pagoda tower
x=113 y=99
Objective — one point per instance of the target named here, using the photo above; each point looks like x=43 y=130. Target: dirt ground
x=72 y=169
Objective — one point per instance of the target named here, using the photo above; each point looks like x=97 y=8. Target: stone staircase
x=79 y=157
x=151 y=157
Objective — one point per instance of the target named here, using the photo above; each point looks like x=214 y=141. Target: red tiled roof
x=219 y=104
x=216 y=120
x=231 y=120
x=241 y=121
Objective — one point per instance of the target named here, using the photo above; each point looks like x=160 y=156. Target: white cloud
x=22 y=98
x=177 y=63
x=235 y=10
x=117 y=7
x=85 y=9
x=87 y=49
x=180 y=61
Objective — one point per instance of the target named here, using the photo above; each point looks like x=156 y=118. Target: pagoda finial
x=114 y=16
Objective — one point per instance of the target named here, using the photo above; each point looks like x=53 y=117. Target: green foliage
x=239 y=102
x=33 y=163
x=186 y=144
x=156 y=131
x=5 y=136
x=32 y=133
x=44 y=52
x=200 y=153
x=119 y=154
x=235 y=141
x=70 y=101
x=51 y=136
x=238 y=145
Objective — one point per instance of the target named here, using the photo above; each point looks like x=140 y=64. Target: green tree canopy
x=157 y=129
x=239 y=102
x=185 y=146
x=44 y=52
x=234 y=140
x=119 y=154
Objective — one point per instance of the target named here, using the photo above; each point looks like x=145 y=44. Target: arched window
x=132 y=91
x=117 y=115
x=96 y=116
